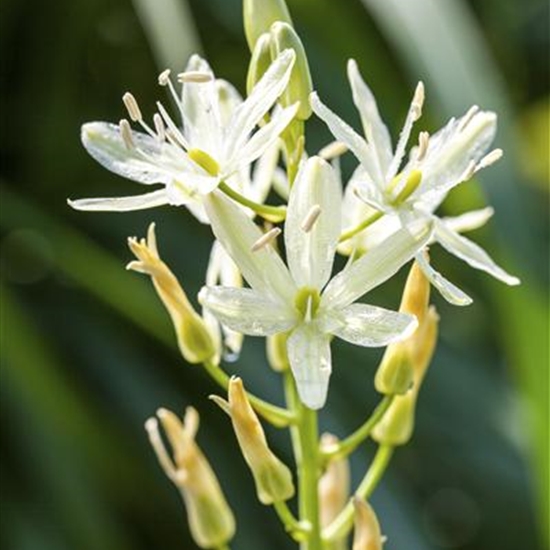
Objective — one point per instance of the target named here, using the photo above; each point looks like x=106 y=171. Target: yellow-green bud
x=367 y=534
x=273 y=479
x=395 y=373
x=259 y=15
x=259 y=62
x=283 y=36
x=195 y=341
x=397 y=425
x=334 y=485
x=210 y=518
x=277 y=356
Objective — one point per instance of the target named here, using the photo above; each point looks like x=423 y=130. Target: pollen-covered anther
x=310 y=219
x=333 y=150
x=472 y=111
x=132 y=107
x=423 y=143
x=126 y=133
x=164 y=77
x=159 y=127
x=489 y=158
x=418 y=100
x=266 y=239
x=194 y=76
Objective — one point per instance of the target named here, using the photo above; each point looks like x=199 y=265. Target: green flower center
x=307 y=302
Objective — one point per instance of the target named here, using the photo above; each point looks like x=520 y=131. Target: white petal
x=140 y=163
x=370 y=326
x=469 y=221
x=247 y=311
x=265 y=137
x=122 y=204
x=261 y=99
x=376 y=131
x=448 y=290
x=451 y=151
x=190 y=187
x=310 y=254
x=347 y=135
x=471 y=253
x=229 y=100
x=376 y=265
x=263 y=269
x=311 y=364
x=264 y=174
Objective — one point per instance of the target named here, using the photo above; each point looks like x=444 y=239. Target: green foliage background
x=87 y=350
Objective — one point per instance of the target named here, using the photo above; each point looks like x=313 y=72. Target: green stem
x=297 y=529
x=305 y=441
x=358 y=228
x=271 y=213
x=348 y=445
x=341 y=526
x=278 y=416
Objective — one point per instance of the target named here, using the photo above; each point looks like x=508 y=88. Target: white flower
x=214 y=144
x=298 y=299
x=435 y=166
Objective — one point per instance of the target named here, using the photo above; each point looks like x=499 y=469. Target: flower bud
x=259 y=15
x=272 y=478
x=395 y=374
x=367 y=534
x=259 y=62
x=334 y=484
x=397 y=425
x=210 y=518
x=194 y=339
x=283 y=36
x=277 y=356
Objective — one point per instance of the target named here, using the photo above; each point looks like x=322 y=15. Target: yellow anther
x=204 y=160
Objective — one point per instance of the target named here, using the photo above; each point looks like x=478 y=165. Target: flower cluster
x=222 y=157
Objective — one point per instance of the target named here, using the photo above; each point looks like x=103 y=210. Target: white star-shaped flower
x=435 y=166
x=214 y=143
x=300 y=299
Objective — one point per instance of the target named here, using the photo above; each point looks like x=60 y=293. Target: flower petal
x=310 y=254
x=263 y=269
x=448 y=290
x=310 y=360
x=376 y=265
x=265 y=137
x=370 y=326
x=189 y=187
x=375 y=130
x=257 y=104
x=141 y=163
x=247 y=311
x=263 y=175
x=346 y=134
x=122 y=204
x=469 y=221
x=471 y=253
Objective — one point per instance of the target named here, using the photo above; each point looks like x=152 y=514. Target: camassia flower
x=214 y=143
x=435 y=166
x=300 y=299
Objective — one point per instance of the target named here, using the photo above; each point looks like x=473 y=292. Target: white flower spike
x=215 y=142
x=298 y=299
x=435 y=166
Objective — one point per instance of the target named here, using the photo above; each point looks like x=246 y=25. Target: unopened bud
x=395 y=375
x=194 y=339
x=367 y=534
x=210 y=518
x=277 y=356
x=259 y=62
x=272 y=478
x=300 y=87
x=397 y=425
x=259 y=15
x=334 y=484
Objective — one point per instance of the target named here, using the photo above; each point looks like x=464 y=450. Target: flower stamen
x=310 y=219
x=198 y=77
x=126 y=134
x=472 y=111
x=489 y=158
x=423 y=143
x=266 y=239
x=132 y=107
x=159 y=127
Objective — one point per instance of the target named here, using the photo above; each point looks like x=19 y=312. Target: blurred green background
x=88 y=353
